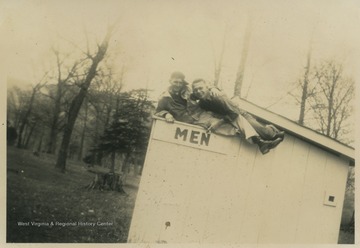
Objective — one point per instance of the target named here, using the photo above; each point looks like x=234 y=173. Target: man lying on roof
x=212 y=110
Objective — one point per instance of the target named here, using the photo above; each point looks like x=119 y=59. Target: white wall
x=228 y=192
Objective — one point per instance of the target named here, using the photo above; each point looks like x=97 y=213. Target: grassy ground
x=37 y=192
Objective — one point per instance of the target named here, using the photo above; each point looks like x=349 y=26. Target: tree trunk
x=38 y=149
x=304 y=95
x=25 y=134
x=73 y=113
x=109 y=109
x=96 y=156
x=77 y=102
x=54 y=124
x=330 y=106
x=17 y=119
x=241 y=69
x=83 y=133
x=218 y=66
x=125 y=165
x=30 y=134
x=113 y=156
x=57 y=104
x=106 y=181
x=25 y=119
x=99 y=158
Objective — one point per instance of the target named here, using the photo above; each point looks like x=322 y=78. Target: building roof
x=299 y=131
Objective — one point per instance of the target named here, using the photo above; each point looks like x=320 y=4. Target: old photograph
x=180 y=122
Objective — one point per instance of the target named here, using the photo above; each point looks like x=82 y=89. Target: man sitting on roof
x=172 y=103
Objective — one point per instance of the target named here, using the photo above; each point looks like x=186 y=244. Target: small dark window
x=331 y=198
x=167 y=224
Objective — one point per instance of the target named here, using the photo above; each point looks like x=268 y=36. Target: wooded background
x=84 y=84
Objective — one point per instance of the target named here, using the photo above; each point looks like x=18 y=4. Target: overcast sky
x=155 y=37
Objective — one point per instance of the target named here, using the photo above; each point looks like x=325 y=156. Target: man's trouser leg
x=264 y=131
x=242 y=124
x=245 y=128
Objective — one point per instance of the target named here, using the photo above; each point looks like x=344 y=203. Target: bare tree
x=104 y=101
x=37 y=120
x=219 y=64
x=79 y=98
x=25 y=118
x=305 y=86
x=16 y=103
x=59 y=93
x=243 y=58
x=332 y=103
x=32 y=126
x=82 y=139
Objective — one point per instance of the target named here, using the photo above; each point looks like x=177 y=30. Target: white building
x=203 y=188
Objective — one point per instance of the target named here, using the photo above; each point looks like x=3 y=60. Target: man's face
x=176 y=84
x=200 y=90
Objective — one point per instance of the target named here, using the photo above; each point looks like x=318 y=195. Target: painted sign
x=196 y=137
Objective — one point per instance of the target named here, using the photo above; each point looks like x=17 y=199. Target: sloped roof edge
x=295 y=129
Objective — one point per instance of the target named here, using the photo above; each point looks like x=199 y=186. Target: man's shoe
x=278 y=133
x=275 y=142
x=266 y=145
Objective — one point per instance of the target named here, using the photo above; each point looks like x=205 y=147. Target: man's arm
x=163 y=107
x=215 y=125
x=214 y=91
x=162 y=110
x=228 y=107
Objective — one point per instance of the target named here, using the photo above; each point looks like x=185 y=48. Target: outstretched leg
x=267 y=132
x=254 y=137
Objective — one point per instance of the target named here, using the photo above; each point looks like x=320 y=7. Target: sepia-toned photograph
x=179 y=122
